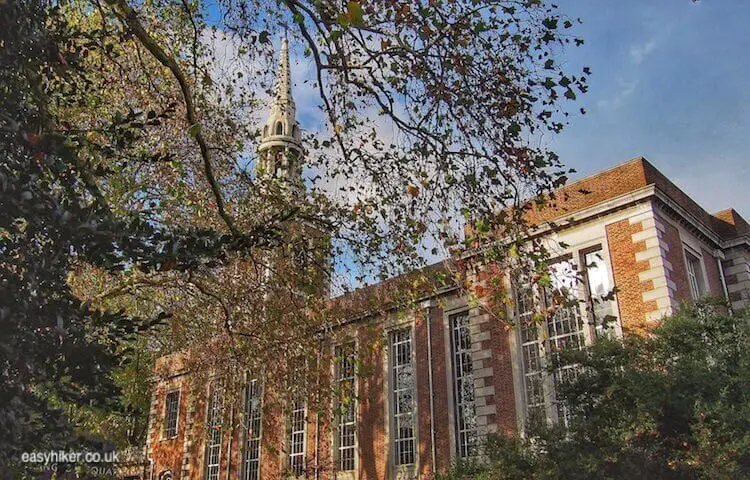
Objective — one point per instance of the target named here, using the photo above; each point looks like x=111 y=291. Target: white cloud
x=639 y=52
x=625 y=89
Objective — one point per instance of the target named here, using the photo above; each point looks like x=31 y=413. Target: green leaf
x=335 y=35
x=194 y=130
x=355 y=12
x=264 y=37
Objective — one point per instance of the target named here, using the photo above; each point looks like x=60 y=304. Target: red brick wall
x=196 y=432
x=440 y=395
x=625 y=270
x=676 y=257
x=502 y=369
x=271 y=454
x=167 y=452
x=371 y=433
x=424 y=448
x=591 y=190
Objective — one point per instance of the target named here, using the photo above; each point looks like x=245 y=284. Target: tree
x=129 y=197
x=673 y=404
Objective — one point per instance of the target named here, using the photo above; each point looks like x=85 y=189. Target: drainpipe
x=428 y=319
x=724 y=283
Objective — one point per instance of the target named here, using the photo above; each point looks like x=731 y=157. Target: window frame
x=337 y=431
x=393 y=417
x=538 y=349
x=165 y=425
x=248 y=473
x=215 y=404
x=591 y=315
x=292 y=422
x=460 y=431
x=696 y=279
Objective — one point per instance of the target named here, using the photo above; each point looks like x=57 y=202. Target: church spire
x=284 y=100
x=280 y=149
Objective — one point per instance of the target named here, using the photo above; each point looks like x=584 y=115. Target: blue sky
x=671 y=82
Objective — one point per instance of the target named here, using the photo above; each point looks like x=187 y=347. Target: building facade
x=445 y=374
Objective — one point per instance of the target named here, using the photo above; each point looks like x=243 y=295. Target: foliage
x=129 y=201
x=674 y=404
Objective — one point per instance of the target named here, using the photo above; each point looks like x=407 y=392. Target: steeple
x=280 y=150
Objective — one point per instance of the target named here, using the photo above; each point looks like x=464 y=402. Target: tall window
x=171 y=410
x=346 y=411
x=253 y=426
x=550 y=321
x=695 y=275
x=463 y=386
x=297 y=428
x=213 y=442
x=600 y=290
x=402 y=392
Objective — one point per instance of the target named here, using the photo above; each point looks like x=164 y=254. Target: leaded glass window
x=297 y=430
x=600 y=290
x=463 y=386
x=695 y=275
x=402 y=397
x=346 y=411
x=253 y=428
x=213 y=423
x=549 y=321
x=171 y=411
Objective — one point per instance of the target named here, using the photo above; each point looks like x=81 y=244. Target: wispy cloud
x=625 y=89
x=640 y=51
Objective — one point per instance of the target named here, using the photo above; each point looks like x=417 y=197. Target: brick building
x=445 y=374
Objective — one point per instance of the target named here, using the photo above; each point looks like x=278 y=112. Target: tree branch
x=130 y=17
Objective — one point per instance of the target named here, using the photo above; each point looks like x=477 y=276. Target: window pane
x=346 y=411
x=253 y=422
x=213 y=442
x=171 y=410
x=695 y=275
x=463 y=385
x=600 y=289
x=541 y=342
x=402 y=395
x=297 y=424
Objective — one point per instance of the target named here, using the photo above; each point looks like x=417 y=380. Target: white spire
x=281 y=122
x=280 y=149
x=284 y=100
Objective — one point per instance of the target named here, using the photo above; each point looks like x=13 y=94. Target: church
x=446 y=374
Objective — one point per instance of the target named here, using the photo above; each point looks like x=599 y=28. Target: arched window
x=279 y=129
x=165 y=475
x=265 y=130
x=294 y=131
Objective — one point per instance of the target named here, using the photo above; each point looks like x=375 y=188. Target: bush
x=673 y=405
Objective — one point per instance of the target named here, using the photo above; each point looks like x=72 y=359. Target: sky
x=670 y=82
